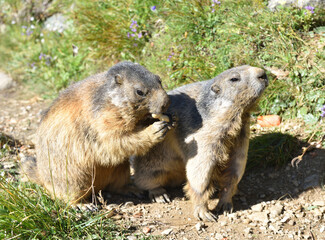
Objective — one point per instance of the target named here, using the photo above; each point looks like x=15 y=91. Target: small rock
x=257 y=207
x=262 y=228
x=131 y=238
x=8 y=165
x=285 y=219
x=319 y=203
x=146 y=230
x=167 y=231
x=322 y=229
x=111 y=207
x=276 y=210
x=5 y=81
x=128 y=204
x=259 y=216
x=56 y=23
x=199 y=226
x=222 y=223
x=248 y=230
x=247 y=221
x=218 y=236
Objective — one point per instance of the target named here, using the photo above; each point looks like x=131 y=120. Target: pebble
x=218 y=236
x=111 y=207
x=200 y=226
x=146 y=230
x=319 y=203
x=248 y=230
x=8 y=165
x=257 y=207
x=128 y=204
x=222 y=223
x=276 y=210
x=322 y=229
x=131 y=238
x=167 y=231
x=259 y=216
x=285 y=219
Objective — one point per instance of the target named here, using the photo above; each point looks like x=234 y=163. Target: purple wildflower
x=48 y=60
x=140 y=35
x=32 y=65
x=134 y=24
x=170 y=56
x=216 y=2
x=25 y=27
x=323 y=111
x=310 y=9
x=153 y=8
x=213 y=10
x=132 y=35
x=128 y=35
x=29 y=32
x=133 y=29
x=41 y=56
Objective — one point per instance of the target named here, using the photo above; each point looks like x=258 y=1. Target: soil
x=272 y=203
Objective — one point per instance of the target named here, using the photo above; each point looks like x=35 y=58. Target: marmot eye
x=140 y=93
x=234 y=79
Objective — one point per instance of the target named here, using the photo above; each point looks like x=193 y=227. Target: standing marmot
x=209 y=144
x=86 y=137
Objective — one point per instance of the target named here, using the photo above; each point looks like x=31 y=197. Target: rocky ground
x=285 y=203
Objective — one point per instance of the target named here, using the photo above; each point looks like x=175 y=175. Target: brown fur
x=210 y=142
x=87 y=135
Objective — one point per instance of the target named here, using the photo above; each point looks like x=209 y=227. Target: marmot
x=87 y=135
x=210 y=142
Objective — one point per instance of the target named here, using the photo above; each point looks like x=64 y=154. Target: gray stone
x=5 y=81
x=273 y=4
x=56 y=23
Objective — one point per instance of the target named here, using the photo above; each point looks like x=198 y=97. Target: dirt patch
x=285 y=203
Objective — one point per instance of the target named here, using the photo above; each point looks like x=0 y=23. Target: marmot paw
x=160 y=129
x=159 y=195
x=202 y=213
x=86 y=207
x=224 y=207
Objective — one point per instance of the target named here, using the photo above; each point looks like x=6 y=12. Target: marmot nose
x=261 y=75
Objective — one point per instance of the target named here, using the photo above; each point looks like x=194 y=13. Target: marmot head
x=239 y=87
x=132 y=86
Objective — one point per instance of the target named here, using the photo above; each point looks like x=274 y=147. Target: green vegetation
x=26 y=212
x=183 y=41
x=271 y=149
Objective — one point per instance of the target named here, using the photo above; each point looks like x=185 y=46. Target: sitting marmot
x=86 y=137
x=209 y=144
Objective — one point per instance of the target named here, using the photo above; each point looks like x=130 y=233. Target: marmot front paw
x=202 y=213
x=159 y=130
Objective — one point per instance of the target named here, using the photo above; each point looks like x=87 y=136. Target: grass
x=27 y=212
x=274 y=149
x=183 y=41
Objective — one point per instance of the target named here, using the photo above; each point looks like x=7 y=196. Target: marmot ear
x=118 y=79
x=215 y=88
